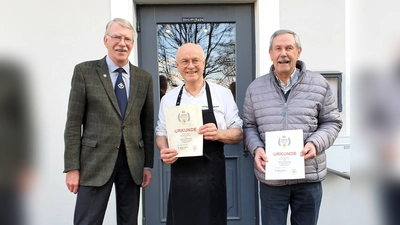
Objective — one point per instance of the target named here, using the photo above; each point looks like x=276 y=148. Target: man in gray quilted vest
x=290 y=97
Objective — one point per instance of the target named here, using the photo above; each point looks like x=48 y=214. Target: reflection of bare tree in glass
x=165 y=64
x=217 y=40
x=227 y=65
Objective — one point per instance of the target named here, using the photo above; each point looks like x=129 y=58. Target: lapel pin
x=104 y=75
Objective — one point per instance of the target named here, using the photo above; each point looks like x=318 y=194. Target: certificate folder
x=183 y=123
x=283 y=151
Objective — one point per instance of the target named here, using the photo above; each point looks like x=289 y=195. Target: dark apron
x=197 y=193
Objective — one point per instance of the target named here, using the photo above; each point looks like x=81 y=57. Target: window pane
x=217 y=41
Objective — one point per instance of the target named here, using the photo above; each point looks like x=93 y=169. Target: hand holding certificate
x=283 y=151
x=182 y=124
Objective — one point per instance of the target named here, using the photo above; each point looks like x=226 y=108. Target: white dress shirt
x=225 y=109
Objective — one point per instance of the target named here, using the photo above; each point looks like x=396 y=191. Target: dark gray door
x=226 y=32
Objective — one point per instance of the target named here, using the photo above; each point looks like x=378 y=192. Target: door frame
x=245 y=74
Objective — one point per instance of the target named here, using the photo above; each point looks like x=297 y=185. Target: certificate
x=183 y=123
x=283 y=151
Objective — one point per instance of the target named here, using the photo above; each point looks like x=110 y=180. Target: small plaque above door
x=192 y=19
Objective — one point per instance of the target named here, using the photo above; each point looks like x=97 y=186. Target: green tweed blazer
x=94 y=126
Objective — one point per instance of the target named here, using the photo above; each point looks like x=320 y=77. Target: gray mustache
x=125 y=49
x=284 y=59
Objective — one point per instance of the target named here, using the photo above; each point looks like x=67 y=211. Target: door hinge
x=138 y=27
x=245 y=152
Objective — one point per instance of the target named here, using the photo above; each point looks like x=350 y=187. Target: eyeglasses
x=117 y=39
x=195 y=62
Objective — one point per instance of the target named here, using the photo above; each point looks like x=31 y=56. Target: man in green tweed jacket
x=106 y=145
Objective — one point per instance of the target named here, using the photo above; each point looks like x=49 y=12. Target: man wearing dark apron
x=202 y=201
x=198 y=184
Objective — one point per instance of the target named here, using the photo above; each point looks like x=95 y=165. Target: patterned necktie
x=120 y=92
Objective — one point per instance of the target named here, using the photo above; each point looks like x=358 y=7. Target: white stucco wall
x=71 y=32
x=47 y=38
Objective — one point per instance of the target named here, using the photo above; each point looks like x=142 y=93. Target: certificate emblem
x=284 y=141
x=182 y=124
x=184 y=117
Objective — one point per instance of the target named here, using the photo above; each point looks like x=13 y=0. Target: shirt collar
x=203 y=90
x=291 y=81
x=112 y=66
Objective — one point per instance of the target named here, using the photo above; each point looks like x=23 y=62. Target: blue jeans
x=304 y=200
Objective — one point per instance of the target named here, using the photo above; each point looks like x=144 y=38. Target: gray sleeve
x=329 y=124
x=252 y=138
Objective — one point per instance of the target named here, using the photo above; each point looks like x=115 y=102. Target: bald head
x=184 y=49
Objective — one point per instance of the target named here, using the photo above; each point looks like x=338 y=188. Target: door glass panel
x=218 y=43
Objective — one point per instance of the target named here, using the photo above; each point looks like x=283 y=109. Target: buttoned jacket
x=95 y=128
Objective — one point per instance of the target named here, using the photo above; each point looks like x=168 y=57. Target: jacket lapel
x=133 y=88
x=104 y=76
